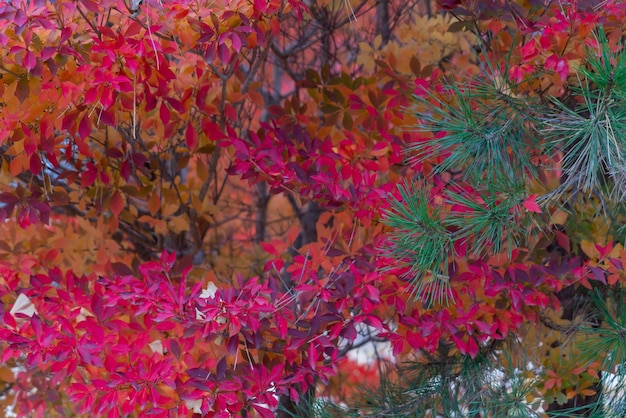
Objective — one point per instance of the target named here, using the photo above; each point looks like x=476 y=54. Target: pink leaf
x=30 y=60
x=263 y=412
x=260 y=6
x=84 y=128
x=236 y=42
x=529 y=50
x=531 y=205
x=107 y=97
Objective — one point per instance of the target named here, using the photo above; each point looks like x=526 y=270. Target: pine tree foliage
x=491 y=384
x=421 y=241
x=487 y=128
x=493 y=135
x=489 y=132
x=318 y=407
x=591 y=135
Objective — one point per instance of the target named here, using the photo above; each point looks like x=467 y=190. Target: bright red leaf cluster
x=111 y=115
x=159 y=345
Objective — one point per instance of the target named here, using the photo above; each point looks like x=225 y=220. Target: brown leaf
x=6 y=375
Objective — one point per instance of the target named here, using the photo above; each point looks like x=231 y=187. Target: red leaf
x=559 y=65
x=47 y=52
x=236 y=42
x=107 y=97
x=224 y=53
x=373 y=293
x=448 y=4
x=65 y=34
x=91 y=95
x=164 y=113
x=263 y=412
x=88 y=177
x=531 y=205
x=312 y=353
x=176 y=104
x=116 y=203
x=529 y=51
x=260 y=6
x=35 y=164
x=212 y=130
x=375 y=322
x=270 y=248
x=20 y=17
x=84 y=128
x=191 y=137
x=22 y=90
x=282 y=326
x=563 y=240
x=91 y=5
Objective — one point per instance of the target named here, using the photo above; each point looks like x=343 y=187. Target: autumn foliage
x=196 y=197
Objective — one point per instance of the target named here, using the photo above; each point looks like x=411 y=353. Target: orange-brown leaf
x=116 y=204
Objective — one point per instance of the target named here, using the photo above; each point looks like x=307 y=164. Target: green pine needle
x=489 y=144
x=606 y=69
x=490 y=223
x=420 y=242
x=592 y=136
x=610 y=339
x=482 y=126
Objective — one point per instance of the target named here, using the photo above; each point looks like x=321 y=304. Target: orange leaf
x=6 y=375
x=18 y=165
x=116 y=203
x=593 y=373
x=587 y=392
x=154 y=204
x=202 y=170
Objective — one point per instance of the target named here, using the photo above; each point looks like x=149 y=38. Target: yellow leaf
x=558 y=217
x=378 y=41
x=202 y=170
x=589 y=248
x=616 y=251
x=178 y=224
x=160 y=226
x=169 y=195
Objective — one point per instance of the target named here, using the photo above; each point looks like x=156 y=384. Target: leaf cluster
x=499 y=141
x=482 y=126
x=427 y=235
